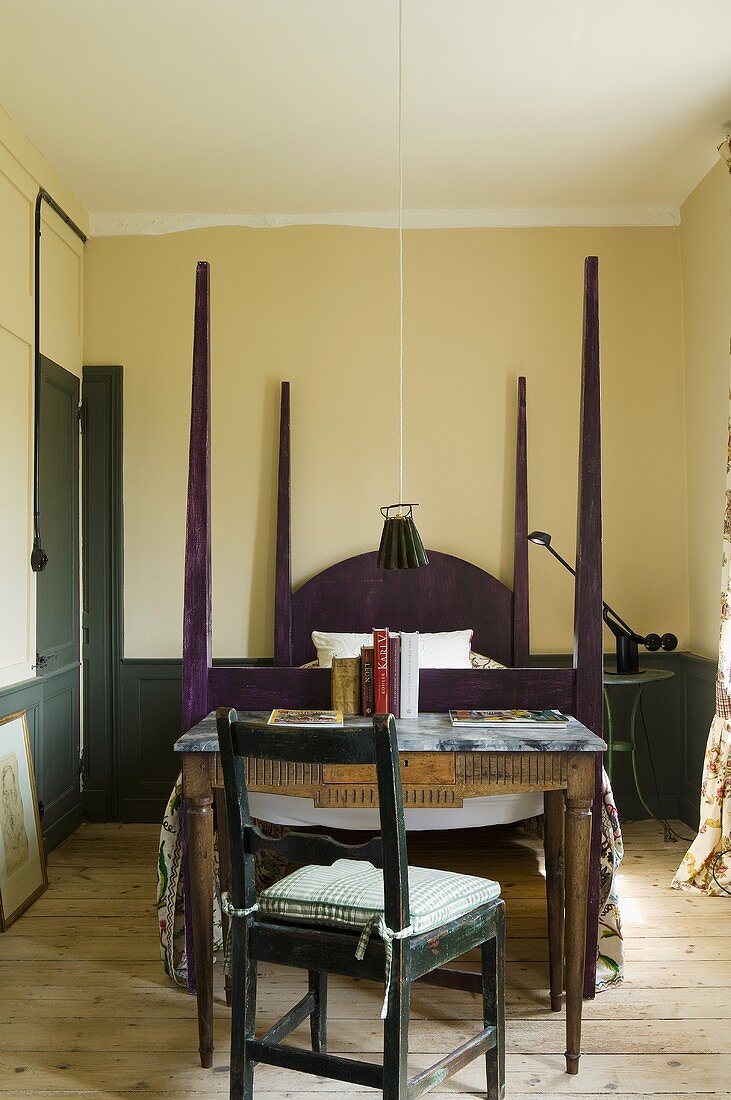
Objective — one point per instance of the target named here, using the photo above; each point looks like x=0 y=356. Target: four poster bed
x=352 y=595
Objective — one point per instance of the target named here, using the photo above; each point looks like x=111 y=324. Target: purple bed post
x=283 y=570
x=521 y=622
x=588 y=627
x=197 y=597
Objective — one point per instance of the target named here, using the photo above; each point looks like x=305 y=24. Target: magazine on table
x=518 y=719
x=331 y=718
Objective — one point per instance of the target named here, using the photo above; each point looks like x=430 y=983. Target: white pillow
x=446 y=649
x=331 y=644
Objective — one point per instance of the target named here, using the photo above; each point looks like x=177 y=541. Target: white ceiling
x=514 y=110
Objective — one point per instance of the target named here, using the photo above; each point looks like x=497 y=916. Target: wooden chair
x=312 y=919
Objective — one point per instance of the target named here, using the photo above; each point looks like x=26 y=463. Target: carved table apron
x=441 y=767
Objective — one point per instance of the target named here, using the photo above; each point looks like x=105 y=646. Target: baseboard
x=62 y=828
x=699 y=705
x=146 y=811
x=688 y=811
x=96 y=805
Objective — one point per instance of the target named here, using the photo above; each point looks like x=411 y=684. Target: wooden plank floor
x=86 y=1010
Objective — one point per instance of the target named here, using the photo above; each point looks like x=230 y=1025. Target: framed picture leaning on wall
x=23 y=874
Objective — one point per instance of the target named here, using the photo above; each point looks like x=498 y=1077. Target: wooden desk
x=472 y=763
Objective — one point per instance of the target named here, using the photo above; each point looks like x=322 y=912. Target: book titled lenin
x=380 y=670
x=366 y=689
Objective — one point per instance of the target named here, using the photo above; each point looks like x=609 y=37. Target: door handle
x=42 y=659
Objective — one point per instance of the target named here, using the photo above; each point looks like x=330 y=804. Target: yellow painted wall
x=317 y=305
x=22 y=169
x=705 y=239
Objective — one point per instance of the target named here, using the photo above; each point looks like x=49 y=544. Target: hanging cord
x=669 y=832
x=716 y=860
x=378 y=923
x=401 y=255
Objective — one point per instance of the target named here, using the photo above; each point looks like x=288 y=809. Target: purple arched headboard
x=450 y=594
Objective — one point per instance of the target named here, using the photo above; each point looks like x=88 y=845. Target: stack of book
x=383 y=680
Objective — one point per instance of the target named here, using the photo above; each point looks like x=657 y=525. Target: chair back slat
x=376 y=744
x=393 y=831
x=303 y=744
x=313 y=848
x=242 y=884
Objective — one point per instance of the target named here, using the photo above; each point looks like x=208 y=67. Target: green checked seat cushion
x=349 y=894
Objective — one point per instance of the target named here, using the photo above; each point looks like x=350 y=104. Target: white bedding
x=498 y=809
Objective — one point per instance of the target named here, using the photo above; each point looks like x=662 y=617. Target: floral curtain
x=706 y=866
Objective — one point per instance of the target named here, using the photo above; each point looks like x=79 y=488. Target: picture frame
x=23 y=871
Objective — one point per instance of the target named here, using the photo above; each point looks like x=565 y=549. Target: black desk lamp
x=627 y=639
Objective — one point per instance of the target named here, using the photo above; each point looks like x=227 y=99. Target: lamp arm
x=618 y=626
x=625 y=627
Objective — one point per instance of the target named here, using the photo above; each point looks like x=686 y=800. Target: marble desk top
x=430 y=733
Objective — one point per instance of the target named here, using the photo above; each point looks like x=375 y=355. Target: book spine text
x=380 y=671
x=366 y=661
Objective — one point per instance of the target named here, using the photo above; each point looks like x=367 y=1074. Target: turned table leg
x=199 y=805
x=579 y=797
x=553 y=843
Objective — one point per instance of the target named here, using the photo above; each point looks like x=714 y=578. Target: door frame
x=102 y=572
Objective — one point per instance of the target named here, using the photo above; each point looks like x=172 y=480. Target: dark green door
x=57 y=608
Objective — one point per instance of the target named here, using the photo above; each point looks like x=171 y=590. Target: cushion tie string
x=228 y=907
x=377 y=923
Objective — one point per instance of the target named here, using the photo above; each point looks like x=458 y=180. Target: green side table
x=638 y=682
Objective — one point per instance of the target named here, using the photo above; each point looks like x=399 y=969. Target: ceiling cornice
x=125 y=225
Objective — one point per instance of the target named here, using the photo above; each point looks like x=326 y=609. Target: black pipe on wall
x=39 y=558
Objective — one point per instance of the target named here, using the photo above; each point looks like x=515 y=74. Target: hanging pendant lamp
x=401 y=546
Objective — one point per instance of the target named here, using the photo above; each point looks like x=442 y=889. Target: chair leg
x=396 y=1028
x=493 y=1001
x=318 y=1019
x=224 y=869
x=243 y=1014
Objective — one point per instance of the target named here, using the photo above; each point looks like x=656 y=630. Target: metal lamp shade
x=401 y=546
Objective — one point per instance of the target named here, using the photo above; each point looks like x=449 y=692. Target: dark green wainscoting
x=677 y=716
x=151 y=720
x=53 y=698
x=677 y=713
x=699 y=704
x=150 y=725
